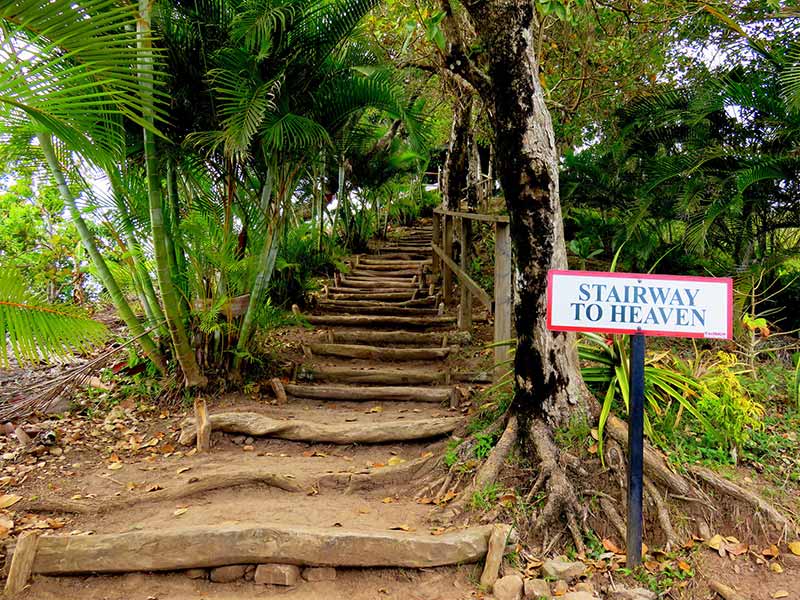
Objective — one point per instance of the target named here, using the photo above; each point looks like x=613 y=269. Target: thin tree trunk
x=148 y=291
x=547 y=372
x=266 y=265
x=184 y=354
x=107 y=279
x=456 y=165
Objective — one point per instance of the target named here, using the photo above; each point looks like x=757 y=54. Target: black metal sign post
x=635 y=452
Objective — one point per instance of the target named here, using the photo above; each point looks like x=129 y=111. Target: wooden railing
x=444 y=222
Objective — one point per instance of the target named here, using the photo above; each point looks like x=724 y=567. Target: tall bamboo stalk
x=107 y=279
x=184 y=354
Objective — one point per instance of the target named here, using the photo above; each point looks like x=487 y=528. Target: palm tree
x=67 y=70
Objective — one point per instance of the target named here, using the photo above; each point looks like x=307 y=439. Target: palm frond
x=37 y=331
x=71 y=68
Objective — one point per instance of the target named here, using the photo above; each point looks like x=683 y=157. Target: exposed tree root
x=206 y=483
x=663 y=513
x=613 y=516
x=738 y=493
x=490 y=469
x=655 y=466
x=561 y=497
x=726 y=592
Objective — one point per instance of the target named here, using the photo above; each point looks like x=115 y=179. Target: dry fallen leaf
x=612 y=547
x=402 y=527
x=395 y=460
x=775 y=568
x=7 y=500
x=781 y=594
x=771 y=552
x=182 y=470
x=180 y=512
x=363 y=511
x=794 y=548
x=738 y=549
x=684 y=566
x=375 y=409
x=153 y=487
x=115 y=466
x=715 y=542
x=388 y=500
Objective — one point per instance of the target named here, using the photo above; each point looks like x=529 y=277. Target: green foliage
x=724 y=401
x=486 y=498
x=35 y=239
x=36 y=330
x=299 y=261
x=609 y=373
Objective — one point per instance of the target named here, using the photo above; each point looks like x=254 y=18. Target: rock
x=238 y=439
x=560 y=588
x=56 y=451
x=536 y=589
x=494 y=555
x=508 y=588
x=584 y=586
x=277 y=574
x=249 y=441
x=631 y=594
x=227 y=574
x=703 y=530
x=579 y=596
x=563 y=570
x=319 y=574
x=195 y=573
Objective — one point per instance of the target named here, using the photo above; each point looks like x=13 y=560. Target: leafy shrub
x=299 y=261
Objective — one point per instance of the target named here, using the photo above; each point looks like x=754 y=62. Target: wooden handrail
x=470 y=283
x=472 y=216
x=443 y=265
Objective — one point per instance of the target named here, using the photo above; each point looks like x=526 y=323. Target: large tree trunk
x=547 y=374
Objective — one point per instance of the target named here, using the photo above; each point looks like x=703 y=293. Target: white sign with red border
x=669 y=305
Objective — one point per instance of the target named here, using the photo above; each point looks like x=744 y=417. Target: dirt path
x=381 y=368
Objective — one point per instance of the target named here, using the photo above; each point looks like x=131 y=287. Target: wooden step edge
x=208 y=546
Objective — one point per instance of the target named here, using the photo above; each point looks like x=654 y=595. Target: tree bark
x=456 y=164
x=547 y=376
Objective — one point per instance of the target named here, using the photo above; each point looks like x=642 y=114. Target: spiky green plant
x=36 y=331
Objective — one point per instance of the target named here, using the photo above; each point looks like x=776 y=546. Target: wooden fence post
x=447 y=284
x=437 y=241
x=503 y=294
x=465 y=310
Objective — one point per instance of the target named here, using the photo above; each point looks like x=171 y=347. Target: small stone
x=508 y=588
x=563 y=570
x=274 y=574
x=579 y=596
x=560 y=588
x=238 y=439
x=56 y=451
x=584 y=586
x=250 y=573
x=195 y=573
x=227 y=574
x=631 y=594
x=249 y=441
x=319 y=574
x=704 y=530
x=536 y=589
